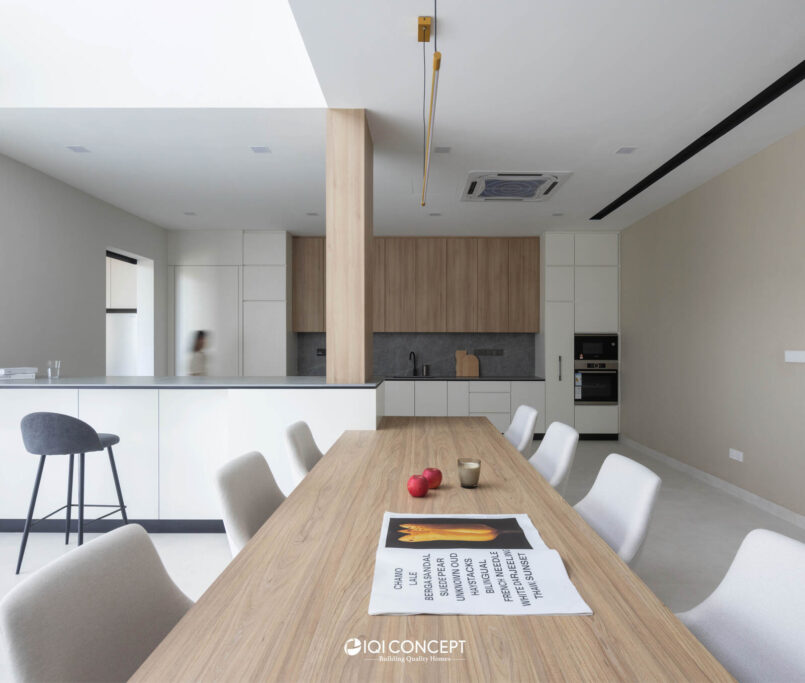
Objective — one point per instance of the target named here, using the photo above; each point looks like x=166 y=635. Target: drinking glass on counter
x=469 y=471
x=54 y=368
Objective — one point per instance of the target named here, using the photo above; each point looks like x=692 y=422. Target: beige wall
x=712 y=293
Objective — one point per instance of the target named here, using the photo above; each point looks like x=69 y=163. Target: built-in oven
x=596 y=347
x=596 y=382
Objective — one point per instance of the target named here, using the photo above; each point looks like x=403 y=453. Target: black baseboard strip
x=152 y=526
x=599 y=437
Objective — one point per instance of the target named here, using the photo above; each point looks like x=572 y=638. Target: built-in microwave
x=596 y=347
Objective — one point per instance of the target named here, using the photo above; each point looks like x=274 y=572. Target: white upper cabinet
x=264 y=283
x=265 y=248
x=596 y=249
x=596 y=298
x=559 y=283
x=559 y=250
x=264 y=339
x=122 y=284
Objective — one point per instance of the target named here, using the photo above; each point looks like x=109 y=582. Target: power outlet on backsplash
x=488 y=352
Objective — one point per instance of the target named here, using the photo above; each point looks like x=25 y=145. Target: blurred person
x=198 y=359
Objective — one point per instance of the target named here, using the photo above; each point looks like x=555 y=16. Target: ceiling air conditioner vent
x=484 y=186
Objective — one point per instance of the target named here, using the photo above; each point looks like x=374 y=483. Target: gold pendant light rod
x=434 y=85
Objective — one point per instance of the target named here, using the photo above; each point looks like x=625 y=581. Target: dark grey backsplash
x=438 y=350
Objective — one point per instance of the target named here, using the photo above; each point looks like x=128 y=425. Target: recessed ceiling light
x=435 y=213
x=557 y=213
x=625 y=150
x=78 y=149
x=261 y=149
x=442 y=150
x=311 y=213
x=189 y=213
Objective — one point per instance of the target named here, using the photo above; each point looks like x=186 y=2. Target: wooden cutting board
x=466 y=364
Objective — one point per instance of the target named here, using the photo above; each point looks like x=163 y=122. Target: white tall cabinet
x=581 y=272
x=236 y=285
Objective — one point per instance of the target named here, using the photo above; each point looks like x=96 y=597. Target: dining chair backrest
x=249 y=495
x=555 y=454
x=521 y=430
x=620 y=502
x=94 y=614
x=753 y=621
x=302 y=450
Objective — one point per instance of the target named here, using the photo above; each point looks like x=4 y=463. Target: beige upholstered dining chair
x=94 y=614
x=302 y=449
x=620 y=503
x=753 y=621
x=555 y=454
x=249 y=495
x=521 y=430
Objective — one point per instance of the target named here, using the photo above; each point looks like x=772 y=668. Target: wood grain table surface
x=286 y=605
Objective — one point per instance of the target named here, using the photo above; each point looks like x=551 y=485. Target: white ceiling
x=532 y=85
x=153 y=53
x=161 y=163
x=545 y=86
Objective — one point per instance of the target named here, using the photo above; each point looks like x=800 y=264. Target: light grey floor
x=694 y=534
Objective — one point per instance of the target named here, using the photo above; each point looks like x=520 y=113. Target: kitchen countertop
x=185 y=383
x=453 y=378
x=295 y=382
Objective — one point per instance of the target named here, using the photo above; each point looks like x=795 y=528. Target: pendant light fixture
x=424 y=26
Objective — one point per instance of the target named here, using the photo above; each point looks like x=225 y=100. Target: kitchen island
x=175 y=432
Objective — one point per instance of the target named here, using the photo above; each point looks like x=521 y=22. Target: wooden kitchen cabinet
x=493 y=285
x=461 y=284
x=379 y=286
x=523 y=285
x=430 y=285
x=309 y=280
x=400 y=285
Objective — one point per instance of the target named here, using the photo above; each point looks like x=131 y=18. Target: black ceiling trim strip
x=120 y=257
x=767 y=96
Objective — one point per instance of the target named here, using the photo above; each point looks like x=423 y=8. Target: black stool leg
x=117 y=486
x=27 y=528
x=81 y=499
x=69 y=500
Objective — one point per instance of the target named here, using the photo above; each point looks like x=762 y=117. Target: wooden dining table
x=287 y=604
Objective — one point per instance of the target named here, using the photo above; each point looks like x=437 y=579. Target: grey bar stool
x=47 y=434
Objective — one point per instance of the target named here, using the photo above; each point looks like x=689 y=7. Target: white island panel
x=193 y=444
x=258 y=419
x=132 y=414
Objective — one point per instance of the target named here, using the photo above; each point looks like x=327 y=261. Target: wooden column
x=349 y=246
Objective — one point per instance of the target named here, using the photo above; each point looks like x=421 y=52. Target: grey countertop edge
x=294 y=382
x=512 y=378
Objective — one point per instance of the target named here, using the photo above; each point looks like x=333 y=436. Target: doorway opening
x=129 y=314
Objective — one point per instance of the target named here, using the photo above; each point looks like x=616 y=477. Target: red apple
x=417 y=486
x=434 y=477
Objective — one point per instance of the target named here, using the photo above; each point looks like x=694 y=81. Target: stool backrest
x=57 y=434
x=94 y=614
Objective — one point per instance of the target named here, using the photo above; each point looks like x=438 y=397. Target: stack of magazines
x=18 y=373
